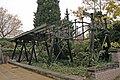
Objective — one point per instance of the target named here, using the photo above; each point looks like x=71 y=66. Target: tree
x=9 y=24
x=48 y=12
x=98 y=6
x=111 y=7
x=116 y=32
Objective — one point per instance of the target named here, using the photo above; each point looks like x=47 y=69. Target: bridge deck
x=12 y=72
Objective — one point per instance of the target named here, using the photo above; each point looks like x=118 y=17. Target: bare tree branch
x=9 y=24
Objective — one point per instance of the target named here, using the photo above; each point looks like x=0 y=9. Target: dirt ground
x=12 y=72
x=117 y=78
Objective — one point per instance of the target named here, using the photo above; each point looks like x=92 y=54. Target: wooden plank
x=31 y=31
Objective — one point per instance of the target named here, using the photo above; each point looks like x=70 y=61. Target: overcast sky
x=25 y=8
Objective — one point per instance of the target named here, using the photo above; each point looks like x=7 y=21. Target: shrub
x=7 y=46
x=6 y=43
x=60 y=67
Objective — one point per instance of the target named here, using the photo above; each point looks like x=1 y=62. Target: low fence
x=108 y=72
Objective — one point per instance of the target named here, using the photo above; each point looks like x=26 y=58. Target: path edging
x=55 y=75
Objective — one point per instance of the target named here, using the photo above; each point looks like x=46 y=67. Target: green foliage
x=113 y=9
x=48 y=12
x=82 y=59
x=80 y=52
x=80 y=46
x=62 y=68
x=7 y=46
x=115 y=32
x=101 y=64
x=6 y=43
x=116 y=25
x=66 y=24
x=115 y=44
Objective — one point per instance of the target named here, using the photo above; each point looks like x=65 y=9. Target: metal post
x=47 y=52
x=1 y=56
x=69 y=49
x=91 y=47
x=75 y=28
x=92 y=34
x=21 y=52
x=14 y=50
x=67 y=14
x=26 y=53
x=105 y=20
x=35 y=53
x=83 y=28
x=33 y=50
x=100 y=5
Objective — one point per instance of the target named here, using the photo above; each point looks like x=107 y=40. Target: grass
x=117 y=78
x=70 y=70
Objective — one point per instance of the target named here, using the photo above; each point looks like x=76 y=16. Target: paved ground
x=11 y=72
